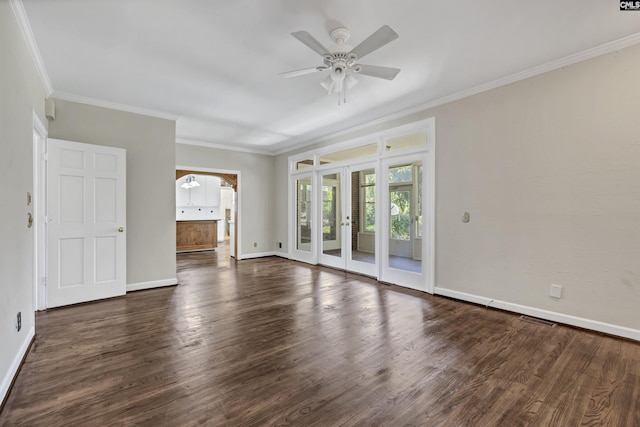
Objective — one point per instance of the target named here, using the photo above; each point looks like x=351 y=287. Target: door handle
x=346 y=223
x=121 y=229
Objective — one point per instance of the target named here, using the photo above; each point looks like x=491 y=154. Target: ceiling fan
x=341 y=60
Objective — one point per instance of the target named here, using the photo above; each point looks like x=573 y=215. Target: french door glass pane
x=401 y=214
x=363 y=216
x=303 y=214
x=404 y=217
x=331 y=215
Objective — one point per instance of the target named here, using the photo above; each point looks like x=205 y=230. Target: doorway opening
x=227 y=216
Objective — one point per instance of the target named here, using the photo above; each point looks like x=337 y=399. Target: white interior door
x=86 y=216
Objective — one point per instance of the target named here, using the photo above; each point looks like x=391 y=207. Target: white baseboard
x=15 y=365
x=594 y=325
x=281 y=254
x=150 y=285
x=256 y=255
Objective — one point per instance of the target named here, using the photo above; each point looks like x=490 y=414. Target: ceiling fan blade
x=301 y=72
x=386 y=73
x=311 y=42
x=375 y=41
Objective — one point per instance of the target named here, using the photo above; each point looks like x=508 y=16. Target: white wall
x=256 y=191
x=20 y=94
x=549 y=168
x=149 y=141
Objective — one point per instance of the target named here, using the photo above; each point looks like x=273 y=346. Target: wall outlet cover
x=556 y=291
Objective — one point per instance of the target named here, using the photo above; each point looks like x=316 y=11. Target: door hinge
x=45 y=157
x=44 y=281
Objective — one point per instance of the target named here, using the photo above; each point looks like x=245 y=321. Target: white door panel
x=86 y=202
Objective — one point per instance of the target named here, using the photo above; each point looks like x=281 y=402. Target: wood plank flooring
x=276 y=342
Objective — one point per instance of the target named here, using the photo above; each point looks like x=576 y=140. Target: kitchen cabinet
x=207 y=194
x=196 y=235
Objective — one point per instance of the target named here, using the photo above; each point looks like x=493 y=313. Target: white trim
x=113 y=105
x=628 y=41
x=594 y=325
x=39 y=203
x=15 y=365
x=281 y=254
x=151 y=285
x=222 y=146
x=257 y=255
x=32 y=46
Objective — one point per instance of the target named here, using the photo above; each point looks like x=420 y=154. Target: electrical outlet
x=556 y=291
x=466 y=217
x=18 y=321
x=255 y=244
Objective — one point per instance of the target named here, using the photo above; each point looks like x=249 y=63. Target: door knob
x=121 y=229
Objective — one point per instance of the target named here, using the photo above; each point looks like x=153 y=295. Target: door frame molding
x=38 y=198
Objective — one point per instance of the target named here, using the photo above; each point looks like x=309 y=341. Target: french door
x=368 y=206
x=303 y=218
x=405 y=228
x=347 y=209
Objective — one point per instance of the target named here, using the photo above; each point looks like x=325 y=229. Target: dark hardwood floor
x=276 y=342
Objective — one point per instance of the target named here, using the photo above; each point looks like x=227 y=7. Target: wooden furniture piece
x=196 y=235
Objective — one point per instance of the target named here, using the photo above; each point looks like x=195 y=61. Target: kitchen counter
x=196 y=235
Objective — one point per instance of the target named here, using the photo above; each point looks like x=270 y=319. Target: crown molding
x=113 y=105
x=594 y=52
x=223 y=146
x=27 y=34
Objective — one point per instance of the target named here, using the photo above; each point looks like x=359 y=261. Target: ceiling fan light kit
x=341 y=59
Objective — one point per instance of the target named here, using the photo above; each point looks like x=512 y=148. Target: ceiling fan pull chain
x=344 y=91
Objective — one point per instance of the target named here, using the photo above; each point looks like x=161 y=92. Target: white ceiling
x=215 y=64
